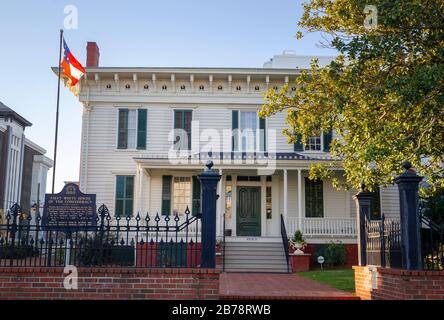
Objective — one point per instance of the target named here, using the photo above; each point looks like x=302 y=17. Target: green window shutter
x=166 y=194
x=298 y=145
x=141 y=129
x=263 y=135
x=327 y=140
x=187 y=118
x=122 y=139
x=124 y=195
x=234 y=127
x=314 y=198
x=196 y=196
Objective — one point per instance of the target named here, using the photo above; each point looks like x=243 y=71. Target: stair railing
x=285 y=242
x=223 y=244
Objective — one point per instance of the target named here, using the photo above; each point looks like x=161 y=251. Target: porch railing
x=323 y=227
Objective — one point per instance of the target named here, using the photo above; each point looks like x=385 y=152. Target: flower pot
x=298 y=247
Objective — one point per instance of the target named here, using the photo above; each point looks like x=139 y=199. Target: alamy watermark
x=71 y=21
x=71 y=280
x=371 y=18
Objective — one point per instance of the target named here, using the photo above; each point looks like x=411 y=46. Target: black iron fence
x=139 y=241
x=432 y=244
x=383 y=242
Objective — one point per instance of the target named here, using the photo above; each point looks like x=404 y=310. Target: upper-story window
x=182 y=129
x=249 y=131
x=132 y=129
x=315 y=143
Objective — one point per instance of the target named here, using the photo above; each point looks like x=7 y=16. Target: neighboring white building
x=127 y=136
x=23 y=164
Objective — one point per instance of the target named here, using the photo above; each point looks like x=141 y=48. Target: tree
x=383 y=95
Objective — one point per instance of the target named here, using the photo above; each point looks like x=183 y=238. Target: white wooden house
x=128 y=155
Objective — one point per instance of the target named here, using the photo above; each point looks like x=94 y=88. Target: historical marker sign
x=69 y=209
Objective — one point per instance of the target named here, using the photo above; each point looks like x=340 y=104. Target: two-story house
x=148 y=131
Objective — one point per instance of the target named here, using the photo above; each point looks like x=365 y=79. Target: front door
x=248 y=211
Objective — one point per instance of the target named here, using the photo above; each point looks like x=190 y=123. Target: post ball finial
x=209 y=164
x=363 y=186
x=407 y=165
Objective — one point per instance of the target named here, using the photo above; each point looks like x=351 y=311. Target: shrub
x=18 y=251
x=335 y=254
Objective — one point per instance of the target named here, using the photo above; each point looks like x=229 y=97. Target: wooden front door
x=248 y=211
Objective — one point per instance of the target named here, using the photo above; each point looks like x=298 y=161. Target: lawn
x=339 y=279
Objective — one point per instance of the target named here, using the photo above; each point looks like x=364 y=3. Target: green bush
x=333 y=253
x=95 y=252
x=18 y=251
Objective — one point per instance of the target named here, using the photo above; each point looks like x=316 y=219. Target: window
x=132 y=129
x=228 y=201
x=269 y=203
x=313 y=144
x=249 y=178
x=124 y=195
x=248 y=127
x=249 y=131
x=314 y=198
x=182 y=126
x=181 y=194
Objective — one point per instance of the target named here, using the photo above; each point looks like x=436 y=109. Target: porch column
x=263 y=206
x=300 y=199
x=148 y=191
x=234 y=204
x=219 y=210
x=139 y=189
x=285 y=196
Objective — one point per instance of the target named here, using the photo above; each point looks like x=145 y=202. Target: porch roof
x=236 y=159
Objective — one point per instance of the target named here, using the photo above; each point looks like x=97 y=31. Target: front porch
x=250 y=205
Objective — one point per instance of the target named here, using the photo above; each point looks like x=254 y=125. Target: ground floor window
x=314 y=198
x=181 y=194
x=269 y=203
x=124 y=195
x=228 y=203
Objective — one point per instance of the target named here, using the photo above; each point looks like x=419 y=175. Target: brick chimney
x=92 y=55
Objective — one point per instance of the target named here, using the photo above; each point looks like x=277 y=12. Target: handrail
x=285 y=241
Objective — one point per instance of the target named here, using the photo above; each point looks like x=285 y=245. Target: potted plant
x=298 y=242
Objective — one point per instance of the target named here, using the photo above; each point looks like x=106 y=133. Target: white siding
x=390 y=201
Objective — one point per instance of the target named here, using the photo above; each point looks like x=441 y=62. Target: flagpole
x=57 y=112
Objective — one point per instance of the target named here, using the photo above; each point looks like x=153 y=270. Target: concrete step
x=249 y=256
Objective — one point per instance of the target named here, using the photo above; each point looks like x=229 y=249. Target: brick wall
x=109 y=283
x=393 y=284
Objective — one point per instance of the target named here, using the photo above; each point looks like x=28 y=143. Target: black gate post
x=364 y=203
x=410 y=226
x=209 y=180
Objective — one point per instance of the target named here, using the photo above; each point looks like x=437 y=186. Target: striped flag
x=71 y=66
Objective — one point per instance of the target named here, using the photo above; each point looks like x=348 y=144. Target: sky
x=167 y=33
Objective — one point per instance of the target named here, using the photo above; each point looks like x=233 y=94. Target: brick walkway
x=256 y=286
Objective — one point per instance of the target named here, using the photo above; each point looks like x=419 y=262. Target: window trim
x=190 y=206
x=136 y=108
x=257 y=147
x=115 y=192
x=305 y=200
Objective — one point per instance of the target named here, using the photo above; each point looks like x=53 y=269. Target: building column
x=138 y=182
x=220 y=201
x=300 y=199
x=285 y=196
x=233 y=203
x=263 y=206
